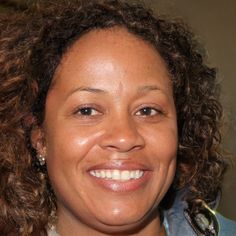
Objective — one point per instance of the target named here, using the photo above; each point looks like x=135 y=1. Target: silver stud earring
x=41 y=159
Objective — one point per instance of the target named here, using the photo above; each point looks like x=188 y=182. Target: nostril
x=122 y=136
x=113 y=143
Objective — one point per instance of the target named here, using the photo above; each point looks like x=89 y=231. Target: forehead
x=111 y=52
x=115 y=40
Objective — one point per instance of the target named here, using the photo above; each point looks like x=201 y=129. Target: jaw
x=149 y=224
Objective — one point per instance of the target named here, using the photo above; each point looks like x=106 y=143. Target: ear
x=38 y=140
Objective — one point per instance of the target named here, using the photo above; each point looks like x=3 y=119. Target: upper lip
x=120 y=165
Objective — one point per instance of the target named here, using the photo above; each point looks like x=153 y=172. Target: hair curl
x=31 y=47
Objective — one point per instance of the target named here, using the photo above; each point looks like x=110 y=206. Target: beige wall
x=214 y=22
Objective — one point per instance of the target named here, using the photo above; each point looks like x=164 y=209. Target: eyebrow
x=147 y=88
x=87 y=89
x=142 y=89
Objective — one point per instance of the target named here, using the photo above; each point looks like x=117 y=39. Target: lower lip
x=122 y=186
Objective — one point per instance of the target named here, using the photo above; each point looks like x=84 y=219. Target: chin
x=121 y=222
x=122 y=225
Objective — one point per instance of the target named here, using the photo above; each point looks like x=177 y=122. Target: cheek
x=70 y=145
x=163 y=148
x=163 y=142
x=167 y=154
x=67 y=158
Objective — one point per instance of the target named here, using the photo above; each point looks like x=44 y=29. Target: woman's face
x=110 y=131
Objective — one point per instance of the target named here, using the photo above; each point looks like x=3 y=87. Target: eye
x=148 y=111
x=87 y=111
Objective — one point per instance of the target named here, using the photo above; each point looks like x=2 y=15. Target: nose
x=122 y=135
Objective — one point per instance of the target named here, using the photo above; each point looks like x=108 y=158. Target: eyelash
x=150 y=110
x=89 y=110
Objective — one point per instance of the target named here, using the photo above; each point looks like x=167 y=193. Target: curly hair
x=31 y=47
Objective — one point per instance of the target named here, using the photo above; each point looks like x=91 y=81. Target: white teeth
x=117 y=174
x=108 y=174
x=103 y=174
x=125 y=175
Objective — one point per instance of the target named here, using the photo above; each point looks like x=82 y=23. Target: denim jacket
x=177 y=224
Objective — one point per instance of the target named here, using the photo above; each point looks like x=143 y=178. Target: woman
x=109 y=124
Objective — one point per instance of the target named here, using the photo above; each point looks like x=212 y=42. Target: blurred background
x=213 y=21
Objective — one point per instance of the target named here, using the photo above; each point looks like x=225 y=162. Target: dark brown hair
x=31 y=47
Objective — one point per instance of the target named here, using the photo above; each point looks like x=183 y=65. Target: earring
x=41 y=159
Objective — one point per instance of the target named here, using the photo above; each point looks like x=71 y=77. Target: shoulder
x=227 y=227
x=178 y=223
x=175 y=222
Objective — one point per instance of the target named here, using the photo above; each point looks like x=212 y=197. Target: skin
x=115 y=75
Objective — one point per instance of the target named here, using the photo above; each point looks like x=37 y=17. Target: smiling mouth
x=117 y=175
x=120 y=176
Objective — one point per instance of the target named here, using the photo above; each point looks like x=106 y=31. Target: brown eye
x=148 y=111
x=87 y=111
